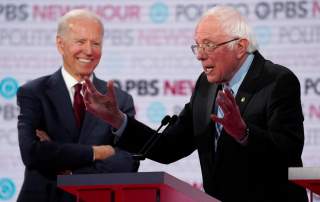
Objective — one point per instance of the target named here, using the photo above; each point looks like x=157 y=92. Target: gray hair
x=63 y=23
x=233 y=24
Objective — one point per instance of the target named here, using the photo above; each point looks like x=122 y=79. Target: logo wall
x=147 y=53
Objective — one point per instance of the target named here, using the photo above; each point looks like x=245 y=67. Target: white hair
x=232 y=23
x=63 y=23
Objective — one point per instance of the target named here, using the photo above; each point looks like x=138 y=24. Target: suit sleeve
x=47 y=155
x=176 y=141
x=284 y=133
x=127 y=106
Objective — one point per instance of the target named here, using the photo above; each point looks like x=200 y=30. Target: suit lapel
x=203 y=105
x=250 y=82
x=57 y=92
x=90 y=120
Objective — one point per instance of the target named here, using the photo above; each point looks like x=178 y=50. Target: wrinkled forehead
x=84 y=26
x=208 y=29
x=83 y=20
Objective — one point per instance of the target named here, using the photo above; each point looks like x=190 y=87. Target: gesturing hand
x=232 y=121
x=103 y=106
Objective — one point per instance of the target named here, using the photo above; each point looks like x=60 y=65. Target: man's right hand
x=103 y=106
x=102 y=152
x=42 y=135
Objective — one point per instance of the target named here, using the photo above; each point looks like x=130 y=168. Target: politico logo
x=159 y=13
x=263 y=35
x=8 y=87
x=7 y=189
x=311 y=86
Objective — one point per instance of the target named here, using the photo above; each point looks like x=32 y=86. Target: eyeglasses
x=208 y=47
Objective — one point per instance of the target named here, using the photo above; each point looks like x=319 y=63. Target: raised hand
x=103 y=106
x=232 y=121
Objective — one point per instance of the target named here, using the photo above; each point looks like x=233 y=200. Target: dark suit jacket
x=45 y=104
x=271 y=108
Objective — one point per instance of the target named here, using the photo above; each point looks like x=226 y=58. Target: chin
x=212 y=79
x=86 y=70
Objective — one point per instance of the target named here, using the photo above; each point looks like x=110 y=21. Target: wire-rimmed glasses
x=208 y=47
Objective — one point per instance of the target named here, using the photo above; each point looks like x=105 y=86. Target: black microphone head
x=165 y=120
x=173 y=119
x=138 y=157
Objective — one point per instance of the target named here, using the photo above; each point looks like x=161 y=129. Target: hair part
x=63 y=23
x=233 y=24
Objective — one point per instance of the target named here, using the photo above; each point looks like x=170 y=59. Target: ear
x=60 y=44
x=242 y=47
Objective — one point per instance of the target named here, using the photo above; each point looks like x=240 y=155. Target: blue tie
x=220 y=114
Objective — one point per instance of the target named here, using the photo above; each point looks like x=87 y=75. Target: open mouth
x=83 y=60
x=208 y=69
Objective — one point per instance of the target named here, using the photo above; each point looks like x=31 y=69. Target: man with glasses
x=247 y=135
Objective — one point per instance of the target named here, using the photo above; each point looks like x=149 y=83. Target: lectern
x=131 y=187
x=307 y=177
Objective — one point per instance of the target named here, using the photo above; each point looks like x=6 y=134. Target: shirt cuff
x=118 y=132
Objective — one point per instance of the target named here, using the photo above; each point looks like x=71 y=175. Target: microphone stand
x=151 y=142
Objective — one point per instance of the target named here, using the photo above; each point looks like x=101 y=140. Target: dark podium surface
x=131 y=187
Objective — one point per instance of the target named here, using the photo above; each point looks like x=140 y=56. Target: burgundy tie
x=78 y=105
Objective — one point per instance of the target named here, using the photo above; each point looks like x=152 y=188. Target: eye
x=210 y=46
x=96 y=44
x=80 y=42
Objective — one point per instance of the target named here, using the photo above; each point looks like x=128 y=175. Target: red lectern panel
x=131 y=187
x=307 y=177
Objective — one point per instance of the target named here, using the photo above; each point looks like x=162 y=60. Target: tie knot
x=78 y=87
x=227 y=86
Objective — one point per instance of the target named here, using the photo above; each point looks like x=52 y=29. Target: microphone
x=173 y=119
x=154 y=138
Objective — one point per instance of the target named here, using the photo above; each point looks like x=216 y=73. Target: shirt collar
x=237 y=79
x=69 y=79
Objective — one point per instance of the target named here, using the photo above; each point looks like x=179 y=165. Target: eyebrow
x=206 y=41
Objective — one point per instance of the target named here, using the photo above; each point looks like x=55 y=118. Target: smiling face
x=221 y=63
x=80 y=46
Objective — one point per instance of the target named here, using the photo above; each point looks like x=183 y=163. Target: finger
x=86 y=97
x=39 y=133
x=89 y=108
x=216 y=119
x=224 y=103
x=42 y=135
x=89 y=86
x=111 y=90
x=230 y=96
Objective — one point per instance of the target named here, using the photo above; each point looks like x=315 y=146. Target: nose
x=88 y=48
x=201 y=54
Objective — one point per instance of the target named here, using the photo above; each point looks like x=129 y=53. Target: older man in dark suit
x=247 y=135
x=56 y=135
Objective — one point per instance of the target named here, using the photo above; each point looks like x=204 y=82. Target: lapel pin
x=243 y=99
